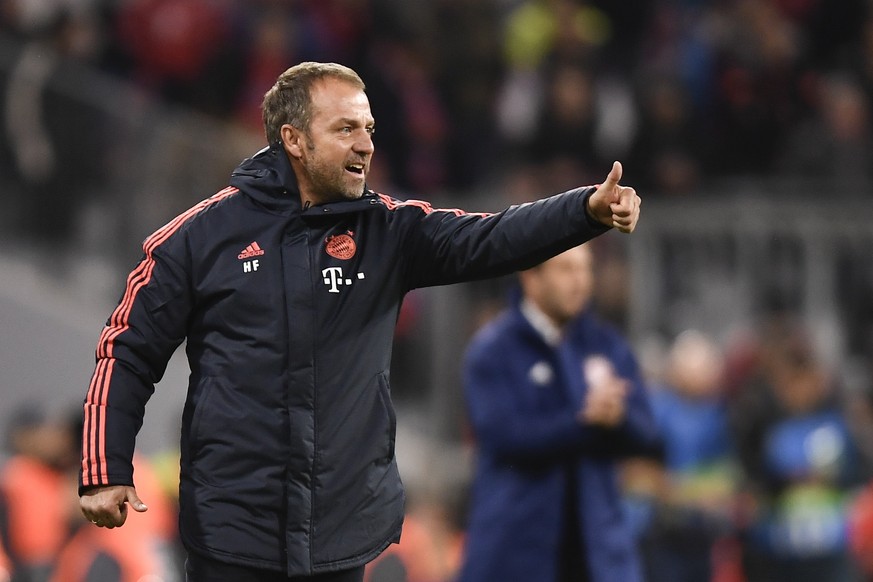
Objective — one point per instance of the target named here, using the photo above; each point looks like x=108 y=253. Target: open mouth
x=355 y=169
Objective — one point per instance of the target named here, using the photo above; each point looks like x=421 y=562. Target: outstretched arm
x=443 y=246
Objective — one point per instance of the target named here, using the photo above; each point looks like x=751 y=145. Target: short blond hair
x=289 y=99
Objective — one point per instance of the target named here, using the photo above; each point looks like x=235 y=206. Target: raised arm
x=448 y=246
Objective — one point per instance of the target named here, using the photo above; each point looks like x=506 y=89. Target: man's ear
x=292 y=140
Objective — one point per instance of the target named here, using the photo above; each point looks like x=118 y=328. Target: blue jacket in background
x=523 y=397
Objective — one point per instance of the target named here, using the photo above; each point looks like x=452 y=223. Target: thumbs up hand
x=615 y=205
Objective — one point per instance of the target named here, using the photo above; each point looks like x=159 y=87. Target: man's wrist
x=589 y=213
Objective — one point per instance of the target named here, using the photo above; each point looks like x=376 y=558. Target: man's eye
x=371 y=130
x=346 y=130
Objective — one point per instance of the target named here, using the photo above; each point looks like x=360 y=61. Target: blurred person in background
x=758 y=76
x=287 y=286
x=55 y=144
x=861 y=531
x=835 y=144
x=147 y=549
x=144 y=550
x=667 y=144
x=861 y=511
x=566 y=127
x=690 y=508
x=801 y=465
x=183 y=50
x=5 y=565
x=549 y=51
x=270 y=46
x=34 y=488
x=555 y=400
x=415 y=125
x=432 y=543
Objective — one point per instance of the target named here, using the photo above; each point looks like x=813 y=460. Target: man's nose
x=364 y=143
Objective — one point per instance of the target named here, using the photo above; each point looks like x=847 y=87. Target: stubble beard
x=329 y=182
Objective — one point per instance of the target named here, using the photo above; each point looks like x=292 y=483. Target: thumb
x=135 y=501
x=614 y=176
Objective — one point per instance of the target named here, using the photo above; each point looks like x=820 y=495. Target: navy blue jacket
x=523 y=396
x=287 y=448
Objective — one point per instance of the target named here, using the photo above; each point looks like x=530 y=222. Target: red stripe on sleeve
x=393 y=204
x=94 y=467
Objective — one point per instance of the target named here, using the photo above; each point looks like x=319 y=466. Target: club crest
x=341 y=246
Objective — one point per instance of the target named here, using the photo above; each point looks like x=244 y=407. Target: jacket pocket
x=385 y=398
x=207 y=387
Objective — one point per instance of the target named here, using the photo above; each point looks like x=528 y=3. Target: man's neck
x=551 y=332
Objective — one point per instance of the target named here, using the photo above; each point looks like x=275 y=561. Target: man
x=287 y=285
x=555 y=398
x=34 y=498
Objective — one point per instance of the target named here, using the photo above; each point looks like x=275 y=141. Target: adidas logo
x=253 y=250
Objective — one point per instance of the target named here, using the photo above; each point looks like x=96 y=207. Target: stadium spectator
x=431 y=546
x=53 y=142
x=667 y=145
x=692 y=511
x=835 y=144
x=34 y=489
x=5 y=565
x=180 y=50
x=146 y=549
x=566 y=128
x=801 y=465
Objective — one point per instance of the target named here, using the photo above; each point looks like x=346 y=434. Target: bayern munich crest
x=341 y=246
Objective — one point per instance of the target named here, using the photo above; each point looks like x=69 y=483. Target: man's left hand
x=615 y=205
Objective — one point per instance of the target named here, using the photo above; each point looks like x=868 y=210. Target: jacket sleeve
x=501 y=422
x=132 y=354
x=450 y=246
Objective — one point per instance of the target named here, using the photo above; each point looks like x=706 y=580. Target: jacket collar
x=268 y=178
x=551 y=333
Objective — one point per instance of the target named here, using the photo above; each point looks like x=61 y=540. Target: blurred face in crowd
x=49 y=442
x=561 y=287
x=799 y=381
x=332 y=156
x=696 y=365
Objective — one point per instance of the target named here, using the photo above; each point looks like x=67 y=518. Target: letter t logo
x=333 y=276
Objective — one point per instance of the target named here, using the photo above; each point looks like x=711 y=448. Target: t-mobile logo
x=333 y=278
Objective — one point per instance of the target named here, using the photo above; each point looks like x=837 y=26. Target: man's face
x=337 y=149
x=562 y=286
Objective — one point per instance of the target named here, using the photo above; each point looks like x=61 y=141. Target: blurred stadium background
x=744 y=124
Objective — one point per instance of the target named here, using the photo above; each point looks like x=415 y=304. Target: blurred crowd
x=43 y=536
x=767 y=467
x=516 y=92
x=766 y=476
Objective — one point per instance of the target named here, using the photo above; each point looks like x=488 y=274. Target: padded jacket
x=287 y=447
